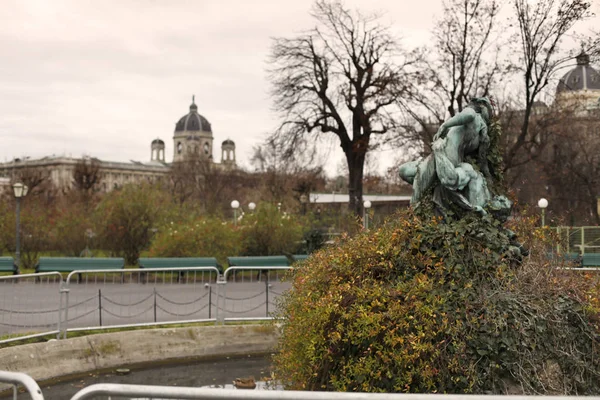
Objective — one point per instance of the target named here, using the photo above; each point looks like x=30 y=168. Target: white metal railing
x=169 y=392
x=17 y=378
x=269 y=292
x=30 y=305
x=112 y=390
x=119 y=298
x=578 y=239
x=138 y=304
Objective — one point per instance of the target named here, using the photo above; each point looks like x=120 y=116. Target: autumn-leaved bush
x=126 y=219
x=422 y=306
x=204 y=236
x=269 y=231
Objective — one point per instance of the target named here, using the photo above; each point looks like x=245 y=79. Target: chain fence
x=255 y=297
x=30 y=305
x=46 y=304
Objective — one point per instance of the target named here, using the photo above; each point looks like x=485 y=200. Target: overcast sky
x=105 y=78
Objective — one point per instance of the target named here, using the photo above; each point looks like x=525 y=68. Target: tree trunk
x=356 y=164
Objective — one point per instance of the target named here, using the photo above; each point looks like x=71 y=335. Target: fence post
x=65 y=325
x=60 y=310
x=155 y=304
x=221 y=293
x=209 y=300
x=100 y=305
x=267 y=294
x=582 y=240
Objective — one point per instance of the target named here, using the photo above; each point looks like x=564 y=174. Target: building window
x=206 y=148
x=179 y=147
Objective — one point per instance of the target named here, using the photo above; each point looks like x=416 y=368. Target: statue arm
x=464 y=117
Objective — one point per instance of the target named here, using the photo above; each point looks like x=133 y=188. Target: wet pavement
x=197 y=374
x=31 y=306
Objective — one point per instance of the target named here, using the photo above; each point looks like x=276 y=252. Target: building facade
x=564 y=149
x=192 y=137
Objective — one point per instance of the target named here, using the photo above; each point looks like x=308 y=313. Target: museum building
x=193 y=137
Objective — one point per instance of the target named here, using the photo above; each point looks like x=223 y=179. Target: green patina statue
x=457 y=172
x=454 y=180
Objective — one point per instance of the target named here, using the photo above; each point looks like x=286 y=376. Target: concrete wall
x=51 y=360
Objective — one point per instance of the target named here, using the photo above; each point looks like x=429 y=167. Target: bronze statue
x=454 y=180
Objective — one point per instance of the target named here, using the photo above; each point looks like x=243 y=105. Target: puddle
x=213 y=373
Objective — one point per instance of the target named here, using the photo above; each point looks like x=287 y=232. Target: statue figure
x=457 y=171
x=459 y=183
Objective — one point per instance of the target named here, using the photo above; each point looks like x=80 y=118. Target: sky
x=105 y=78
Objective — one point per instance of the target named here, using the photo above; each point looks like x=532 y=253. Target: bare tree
x=343 y=77
x=86 y=174
x=542 y=26
x=466 y=46
x=462 y=62
x=284 y=178
x=204 y=182
x=572 y=168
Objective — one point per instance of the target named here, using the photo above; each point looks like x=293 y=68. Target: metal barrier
x=578 y=239
x=253 y=298
x=169 y=392
x=16 y=379
x=30 y=305
x=139 y=297
x=112 y=390
x=43 y=304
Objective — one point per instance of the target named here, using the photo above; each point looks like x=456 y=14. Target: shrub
x=126 y=219
x=268 y=231
x=200 y=237
x=72 y=229
x=420 y=306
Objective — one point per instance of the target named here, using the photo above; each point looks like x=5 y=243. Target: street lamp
x=251 y=206
x=366 y=205
x=543 y=203
x=235 y=205
x=20 y=190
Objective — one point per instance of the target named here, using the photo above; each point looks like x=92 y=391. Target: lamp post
x=20 y=190
x=303 y=201
x=251 y=206
x=366 y=205
x=235 y=205
x=543 y=203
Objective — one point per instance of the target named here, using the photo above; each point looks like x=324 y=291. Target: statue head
x=483 y=106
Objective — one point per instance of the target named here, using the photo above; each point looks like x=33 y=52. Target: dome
x=193 y=121
x=228 y=142
x=158 y=141
x=582 y=77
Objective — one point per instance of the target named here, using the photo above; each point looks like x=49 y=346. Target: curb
x=58 y=358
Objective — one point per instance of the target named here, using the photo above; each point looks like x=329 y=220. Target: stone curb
x=53 y=359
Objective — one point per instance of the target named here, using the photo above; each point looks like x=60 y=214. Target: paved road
x=31 y=306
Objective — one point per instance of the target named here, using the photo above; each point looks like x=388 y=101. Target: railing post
x=100 y=305
x=60 y=309
x=267 y=295
x=582 y=240
x=65 y=325
x=220 y=312
x=209 y=300
x=154 y=304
